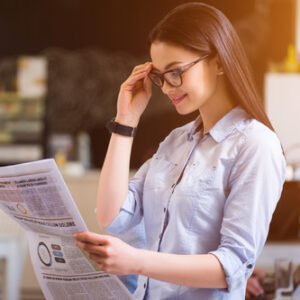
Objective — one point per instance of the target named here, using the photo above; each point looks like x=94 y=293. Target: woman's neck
x=216 y=108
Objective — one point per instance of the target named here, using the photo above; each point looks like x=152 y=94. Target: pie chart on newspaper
x=44 y=254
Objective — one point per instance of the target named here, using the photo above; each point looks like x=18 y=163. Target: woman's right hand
x=134 y=95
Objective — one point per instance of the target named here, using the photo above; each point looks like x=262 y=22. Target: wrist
x=127 y=121
x=138 y=261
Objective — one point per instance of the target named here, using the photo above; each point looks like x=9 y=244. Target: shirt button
x=250 y=266
x=145 y=285
x=165 y=209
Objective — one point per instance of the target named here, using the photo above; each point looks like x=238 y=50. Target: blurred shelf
x=22 y=128
x=17 y=153
x=12 y=97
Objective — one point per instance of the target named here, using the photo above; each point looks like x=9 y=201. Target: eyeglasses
x=172 y=77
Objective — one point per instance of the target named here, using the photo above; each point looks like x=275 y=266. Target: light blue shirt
x=136 y=238
x=223 y=204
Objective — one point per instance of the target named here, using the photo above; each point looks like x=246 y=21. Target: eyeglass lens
x=172 y=78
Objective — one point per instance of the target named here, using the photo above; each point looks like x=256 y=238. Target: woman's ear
x=219 y=65
x=216 y=64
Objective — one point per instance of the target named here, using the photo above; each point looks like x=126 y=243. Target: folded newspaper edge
x=35 y=195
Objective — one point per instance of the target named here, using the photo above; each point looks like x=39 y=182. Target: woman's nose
x=166 y=88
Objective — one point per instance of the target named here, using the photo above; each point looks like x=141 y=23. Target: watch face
x=44 y=254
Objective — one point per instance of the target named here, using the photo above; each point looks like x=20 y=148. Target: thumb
x=148 y=86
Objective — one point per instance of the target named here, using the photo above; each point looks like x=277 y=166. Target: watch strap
x=115 y=127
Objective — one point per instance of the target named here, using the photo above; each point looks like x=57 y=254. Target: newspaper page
x=35 y=195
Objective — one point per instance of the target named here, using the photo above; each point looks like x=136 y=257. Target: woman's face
x=199 y=83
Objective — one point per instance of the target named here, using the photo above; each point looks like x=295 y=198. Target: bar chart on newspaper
x=35 y=195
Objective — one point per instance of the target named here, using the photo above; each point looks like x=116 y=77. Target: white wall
x=298 y=29
x=282 y=103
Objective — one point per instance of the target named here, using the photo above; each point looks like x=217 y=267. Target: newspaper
x=35 y=195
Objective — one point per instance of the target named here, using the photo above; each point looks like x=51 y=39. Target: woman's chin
x=184 y=110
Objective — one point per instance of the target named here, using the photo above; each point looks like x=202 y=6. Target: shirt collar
x=224 y=126
x=197 y=123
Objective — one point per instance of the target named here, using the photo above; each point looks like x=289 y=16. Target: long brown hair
x=202 y=28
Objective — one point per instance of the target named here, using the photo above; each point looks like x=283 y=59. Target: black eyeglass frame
x=179 y=71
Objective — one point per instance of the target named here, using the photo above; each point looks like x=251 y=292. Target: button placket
x=165 y=209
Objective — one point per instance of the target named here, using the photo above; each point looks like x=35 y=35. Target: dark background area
x=29 y=27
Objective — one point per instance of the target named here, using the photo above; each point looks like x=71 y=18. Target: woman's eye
x=174 y=73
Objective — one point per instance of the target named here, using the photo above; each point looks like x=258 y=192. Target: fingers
x=248 y=295
x=97 y=258
x=254 y=287
x=94 y=244
x=142 y=69
x=138 y=73
x=135 y=93
x=259 y=274
x=133 y=79
x=98 y=252
x=91 y=248
x=139 y=68
x=148 y=85
x=92 y=238
x=105 y=265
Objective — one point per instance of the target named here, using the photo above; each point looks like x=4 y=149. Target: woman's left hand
x=254 y=284
x=110 y=254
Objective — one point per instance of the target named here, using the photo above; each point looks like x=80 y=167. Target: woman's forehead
x=163 y=54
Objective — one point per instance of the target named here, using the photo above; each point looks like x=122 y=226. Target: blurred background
x=61 y=66
x=81 y=51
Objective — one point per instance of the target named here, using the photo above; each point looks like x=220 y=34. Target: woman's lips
x=176 y=100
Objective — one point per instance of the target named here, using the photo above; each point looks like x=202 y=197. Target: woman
x=207 y=196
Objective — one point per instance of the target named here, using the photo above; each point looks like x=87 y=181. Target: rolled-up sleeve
x=255 y=185
x=131 y=211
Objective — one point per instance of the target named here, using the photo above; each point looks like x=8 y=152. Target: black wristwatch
x=118 y=128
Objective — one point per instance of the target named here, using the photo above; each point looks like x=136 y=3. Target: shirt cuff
x=236 y=271
x=121 y=221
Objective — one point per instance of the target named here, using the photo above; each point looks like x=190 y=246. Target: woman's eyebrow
x=168 y=66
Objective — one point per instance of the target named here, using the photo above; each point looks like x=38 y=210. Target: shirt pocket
x=205 y=198
x=200 y=178
x=160 y=173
